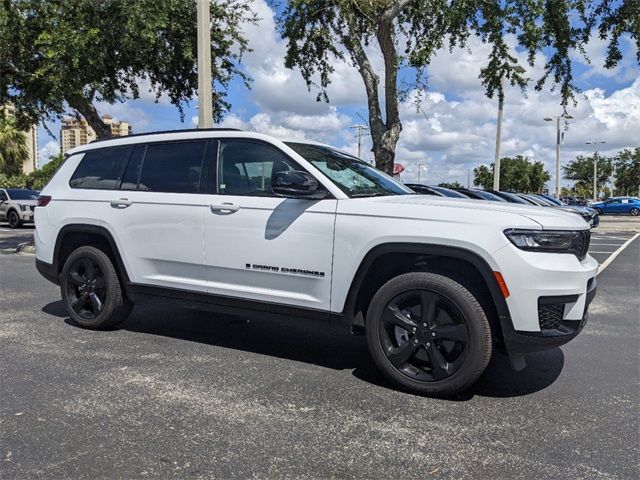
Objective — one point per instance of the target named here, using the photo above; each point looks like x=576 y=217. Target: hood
x=472 y=211
x=26 y=202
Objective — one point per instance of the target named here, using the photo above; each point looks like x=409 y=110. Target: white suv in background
x=17 y=205
x=240 y=220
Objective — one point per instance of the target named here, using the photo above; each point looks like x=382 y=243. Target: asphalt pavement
x=177 y=393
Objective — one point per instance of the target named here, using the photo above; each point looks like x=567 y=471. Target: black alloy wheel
x=428 y=334
x=14 y=219
x=91 y=289
x=86 y=288
x=423 y=335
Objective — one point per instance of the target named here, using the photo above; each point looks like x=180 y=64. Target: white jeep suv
x=240 y=220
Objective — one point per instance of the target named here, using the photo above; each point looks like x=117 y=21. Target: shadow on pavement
x=327 y=345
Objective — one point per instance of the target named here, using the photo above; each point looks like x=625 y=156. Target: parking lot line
x=613 y=256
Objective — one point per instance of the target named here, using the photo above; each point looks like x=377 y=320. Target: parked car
x=479 y=194
x=448 y=192
x=510 y=197
x=424 y=189
x=589 y=214
x=242 y=221
x=618 y=205
x=16 y=205
x=572 y=200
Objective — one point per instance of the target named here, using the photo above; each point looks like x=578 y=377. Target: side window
x=172 y=167
x=245 y=168
x=101 y=169
x=132 y=172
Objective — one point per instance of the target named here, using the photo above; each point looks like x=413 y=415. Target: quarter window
x=172 y=167
x=246 y=168
x=100 y=169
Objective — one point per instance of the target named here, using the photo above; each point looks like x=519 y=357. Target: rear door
x=155 y=212
x=262 y=247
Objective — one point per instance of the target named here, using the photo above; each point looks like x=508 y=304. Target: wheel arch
x=73 y=236
x=406 y=257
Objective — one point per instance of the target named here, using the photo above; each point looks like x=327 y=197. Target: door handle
x=224 y=207
x=121 y=203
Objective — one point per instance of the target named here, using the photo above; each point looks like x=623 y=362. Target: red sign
x=398 y=168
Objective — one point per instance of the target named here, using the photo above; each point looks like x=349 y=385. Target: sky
x=451 y=132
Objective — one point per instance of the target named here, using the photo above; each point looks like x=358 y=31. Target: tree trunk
x=86 y=108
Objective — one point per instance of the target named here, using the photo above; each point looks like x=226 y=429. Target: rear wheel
x=14 y=219
x=428 y=334
x=91 y=290
x=634 y=212
x=599 y=210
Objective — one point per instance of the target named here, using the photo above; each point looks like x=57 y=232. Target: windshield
x=19 y=194
x=351 y=175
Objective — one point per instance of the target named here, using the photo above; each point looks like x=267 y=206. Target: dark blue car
x=618 y=205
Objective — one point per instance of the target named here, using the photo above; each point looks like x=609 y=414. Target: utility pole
x=360 y=129
x=595 y=166
x=205 y=110
x=558 y=141
x=496 y=165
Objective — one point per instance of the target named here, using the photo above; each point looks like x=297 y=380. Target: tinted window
x=100 y=169
x=172 y=167
x=132 y=172
x=22 y=194
x=245 y=168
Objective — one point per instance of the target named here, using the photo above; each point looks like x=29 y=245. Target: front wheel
x=428 y=334
x=14 y=219
x=599 y=210
x=634 y=212
x=91 y=290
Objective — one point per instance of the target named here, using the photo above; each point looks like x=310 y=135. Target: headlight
x=23 y=207
x=544 y=241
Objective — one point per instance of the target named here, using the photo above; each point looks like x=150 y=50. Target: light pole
x=496 y=164
x=595 y=144
x=557 y=119
x=205 y=110
x=360 y=129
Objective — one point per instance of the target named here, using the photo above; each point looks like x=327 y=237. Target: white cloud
x=51 y=149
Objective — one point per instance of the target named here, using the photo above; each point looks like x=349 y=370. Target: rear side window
x=172 y=167
x=101 y=169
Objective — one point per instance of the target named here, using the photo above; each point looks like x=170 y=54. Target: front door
x=262 y=247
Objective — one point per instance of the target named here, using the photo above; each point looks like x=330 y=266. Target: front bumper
x=519 y=342
x=26 y=216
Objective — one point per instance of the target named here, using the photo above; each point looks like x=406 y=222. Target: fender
x=95 y=230
x=428 y=249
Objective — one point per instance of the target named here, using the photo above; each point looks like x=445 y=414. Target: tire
x=91 y=290
x=599 y=211
x=634 y=212
x=435 y=337
x=14 y=219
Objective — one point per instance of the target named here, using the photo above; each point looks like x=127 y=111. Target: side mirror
x=296 y=184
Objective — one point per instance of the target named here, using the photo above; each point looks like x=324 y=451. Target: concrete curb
x=26 y=248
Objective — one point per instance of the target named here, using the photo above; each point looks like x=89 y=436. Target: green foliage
x=409 y=32
x=13 y=147
x=450 y=185
x=580 y=171
x=627 y=171
x=77 y=52
x=517 y=174
x=35 y=180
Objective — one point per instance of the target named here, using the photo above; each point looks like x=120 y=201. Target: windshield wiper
x=375 y=194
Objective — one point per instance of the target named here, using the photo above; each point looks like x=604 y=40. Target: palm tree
x=13 y=147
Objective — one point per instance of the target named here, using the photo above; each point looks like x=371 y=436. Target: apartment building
x=74 y=132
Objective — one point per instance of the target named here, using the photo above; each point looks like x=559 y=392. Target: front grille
x=581 y=244
x=550 y=316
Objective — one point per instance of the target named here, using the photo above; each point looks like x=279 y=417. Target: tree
x=580 y=171
x=516 y=174
x=627 y=171
x=450 y=185
x=408 y=32
x=13 y=147
x=76 y=52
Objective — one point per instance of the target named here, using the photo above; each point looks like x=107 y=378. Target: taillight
x=43 y=200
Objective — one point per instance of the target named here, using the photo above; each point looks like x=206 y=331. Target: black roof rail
x=186 y=130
